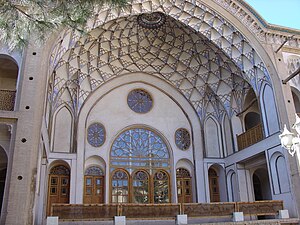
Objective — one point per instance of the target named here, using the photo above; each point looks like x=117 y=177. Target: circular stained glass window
x=139 y=101
x=96 y=134
x=182 y=139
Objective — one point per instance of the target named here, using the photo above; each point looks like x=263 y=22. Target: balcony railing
x=7 y=100
x=250 y=137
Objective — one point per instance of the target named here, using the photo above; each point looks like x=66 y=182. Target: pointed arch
x=62 y=130
x=269 y=110
x=213 y=144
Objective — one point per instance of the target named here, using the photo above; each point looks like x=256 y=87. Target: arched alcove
x=227 y=136
x=280 y=176
x=269 y=111
x=63 y=131
x=217 y=183
x=212 y=138
x=261 y=185
x=8 y=82
x=232 y=186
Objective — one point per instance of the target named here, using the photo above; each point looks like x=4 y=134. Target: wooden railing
x=7 y=100
x=260 y=207
x=163 y=211
x=250 y=137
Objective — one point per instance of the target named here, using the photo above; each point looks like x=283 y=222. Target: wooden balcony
x=250 y=137
x=7 y=100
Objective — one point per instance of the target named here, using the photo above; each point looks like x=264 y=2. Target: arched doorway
x=94 y=186
x=261 y=185
x=3 y=169
x=257 y=188
x=140 y=167
x=58 y=186
x=214 y=189
x=184 y=185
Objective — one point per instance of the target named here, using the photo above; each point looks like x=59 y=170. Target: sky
x=280 y=12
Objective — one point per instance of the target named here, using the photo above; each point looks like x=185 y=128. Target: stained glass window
x=182 y=139
x=96 y=134
x=94 y=171
x=139 y=101
x=60 y=170
x=139 y=148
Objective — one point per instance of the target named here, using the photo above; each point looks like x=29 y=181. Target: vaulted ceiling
x=209 y=62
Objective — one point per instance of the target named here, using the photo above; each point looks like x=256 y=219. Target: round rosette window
x=96 y=134
x=139 y=101
x=182 y=139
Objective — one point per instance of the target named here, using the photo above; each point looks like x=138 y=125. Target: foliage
x=21 y=18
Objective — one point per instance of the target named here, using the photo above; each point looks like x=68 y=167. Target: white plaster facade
x=207 y=67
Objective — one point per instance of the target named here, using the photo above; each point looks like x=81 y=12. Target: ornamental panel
x=96 y=134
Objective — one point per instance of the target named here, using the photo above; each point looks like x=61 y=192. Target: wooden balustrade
x=7 y=100
x=250 y=137
x=163 y=211
x=85 y=211
x=260 y=207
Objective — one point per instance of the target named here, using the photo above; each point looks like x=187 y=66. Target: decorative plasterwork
x=195 y=50
x=265 y=32
x=293 y=63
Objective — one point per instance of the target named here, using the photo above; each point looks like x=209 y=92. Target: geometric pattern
x=203 y=56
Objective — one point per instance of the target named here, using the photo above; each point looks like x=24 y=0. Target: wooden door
x=213 y=186
x=94 y=190
x=59 y=186
x=184 y=186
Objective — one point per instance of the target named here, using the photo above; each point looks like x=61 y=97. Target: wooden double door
x=94 y=189
x=59 y=186
x=184 y=186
